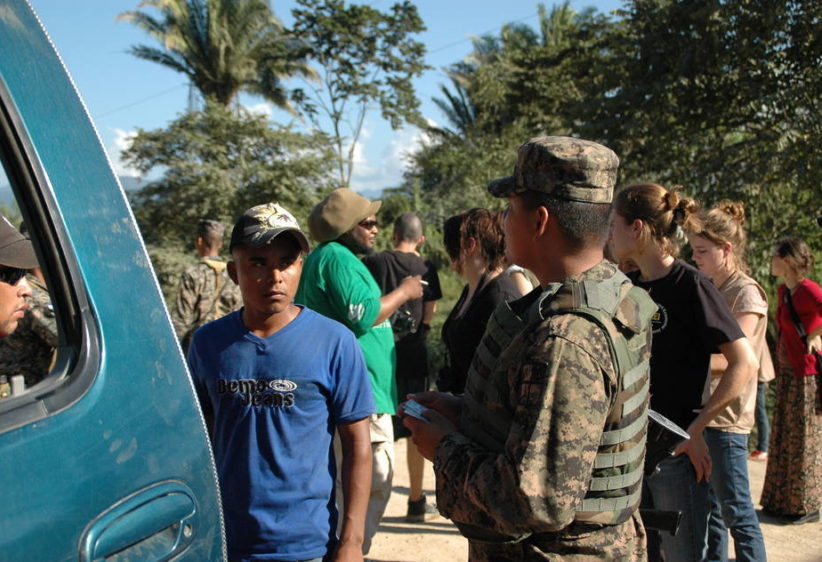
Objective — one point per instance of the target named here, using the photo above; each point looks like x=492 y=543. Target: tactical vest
x=623 y=312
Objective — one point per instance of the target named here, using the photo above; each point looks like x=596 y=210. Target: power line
x=461 y=41
x=142 y=100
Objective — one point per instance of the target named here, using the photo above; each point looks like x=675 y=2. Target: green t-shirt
x=337 y=285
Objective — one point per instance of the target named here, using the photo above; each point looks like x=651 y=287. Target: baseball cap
x=261 y=224
x=15 y=249
x=338 y=213
x=566 y=167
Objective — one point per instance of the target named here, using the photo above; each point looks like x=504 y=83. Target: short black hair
x=581 y=223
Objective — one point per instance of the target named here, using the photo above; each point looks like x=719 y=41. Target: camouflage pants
x=618 y=542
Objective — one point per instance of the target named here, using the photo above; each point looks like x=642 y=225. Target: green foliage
x=216 y=164
x=222 y=46
x=169 y=261
x=365 y=57
x=720 y=96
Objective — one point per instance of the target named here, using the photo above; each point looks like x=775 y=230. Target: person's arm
x=521 y=282
x=742 y=365
x=356 y=486
x=747 y=323
x=185 y=307
x=429 y=308
x=543 y=470
x=410 y=288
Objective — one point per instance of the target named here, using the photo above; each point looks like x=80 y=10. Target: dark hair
x=582 y=223
x=211 y=232
x=481 y=224
x=725 y=224
x=796 y=253
x=665 y=214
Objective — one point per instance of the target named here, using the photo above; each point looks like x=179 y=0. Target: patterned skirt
x=793 y=480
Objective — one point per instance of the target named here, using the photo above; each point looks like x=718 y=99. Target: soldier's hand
x=427 y=435
x=446 y=404
x=697 y=451
x=412 y=287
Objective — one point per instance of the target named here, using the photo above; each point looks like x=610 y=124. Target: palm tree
x=222 y=46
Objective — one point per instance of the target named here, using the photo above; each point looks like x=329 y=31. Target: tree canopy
x=364 y=57
x=222 y=46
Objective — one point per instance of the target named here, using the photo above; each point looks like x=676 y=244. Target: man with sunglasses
x=335 y=283
x=16 y=258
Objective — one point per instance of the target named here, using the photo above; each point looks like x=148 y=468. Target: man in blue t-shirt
x=275 y=380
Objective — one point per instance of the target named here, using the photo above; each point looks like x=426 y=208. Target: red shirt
x=807 y=301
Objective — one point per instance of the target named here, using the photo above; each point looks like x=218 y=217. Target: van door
x=104 y=456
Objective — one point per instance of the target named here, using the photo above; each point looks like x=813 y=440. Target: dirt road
x=438 y=540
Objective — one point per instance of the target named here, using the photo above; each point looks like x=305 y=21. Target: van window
x=44 y=362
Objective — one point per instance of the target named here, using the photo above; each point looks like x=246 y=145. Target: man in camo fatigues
x=206 y=293
x=29 y=351
x=541 y=459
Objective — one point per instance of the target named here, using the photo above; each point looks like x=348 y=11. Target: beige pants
x=382 y=475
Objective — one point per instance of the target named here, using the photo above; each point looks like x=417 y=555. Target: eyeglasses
x=368 y=225
x=11 y=275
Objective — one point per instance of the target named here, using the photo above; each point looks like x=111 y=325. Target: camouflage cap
x=15 y=249
x=261 y=224
x=338 y=213
x=569 y=168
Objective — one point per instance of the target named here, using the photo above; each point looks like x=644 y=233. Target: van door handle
x=155 y=523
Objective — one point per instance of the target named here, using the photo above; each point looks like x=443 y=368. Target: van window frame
x=79 y=349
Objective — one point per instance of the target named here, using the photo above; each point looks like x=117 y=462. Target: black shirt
x=389 y=268
x=693 y=320
x=462 y=334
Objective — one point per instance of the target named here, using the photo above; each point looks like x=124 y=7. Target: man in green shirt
x=335 y=283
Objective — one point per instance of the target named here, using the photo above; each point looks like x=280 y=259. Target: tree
x=365 y=57
x=217 y=163
x=222 y=46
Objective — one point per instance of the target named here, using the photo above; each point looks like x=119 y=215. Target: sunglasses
x=11 y=275
x=368 y=225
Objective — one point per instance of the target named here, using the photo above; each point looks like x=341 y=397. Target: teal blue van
x=106 y=457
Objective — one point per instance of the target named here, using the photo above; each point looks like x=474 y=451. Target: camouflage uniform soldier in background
x=29 y=351
x=206 y=293
x=542 y=457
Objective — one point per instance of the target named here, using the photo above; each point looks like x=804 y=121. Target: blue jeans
x=763 y=426
x=675 y=488
x=732 y=507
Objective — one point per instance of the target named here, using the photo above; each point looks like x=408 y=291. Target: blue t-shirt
x=275 y=404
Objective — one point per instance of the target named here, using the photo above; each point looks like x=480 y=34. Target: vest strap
x=635 y=375
x=621 y=458
x=636 y=400
x=626 y=433
x=608 y=483
x=610 y=504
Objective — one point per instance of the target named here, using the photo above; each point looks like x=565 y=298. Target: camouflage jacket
x=206 y=293
x=29 y=351
x=556 y=379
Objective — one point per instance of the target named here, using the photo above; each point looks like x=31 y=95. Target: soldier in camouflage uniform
x=541 y=458
x=206 y=293
x=29 y=351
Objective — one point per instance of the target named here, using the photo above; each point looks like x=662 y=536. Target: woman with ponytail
x=693 y=321
x=718 y=249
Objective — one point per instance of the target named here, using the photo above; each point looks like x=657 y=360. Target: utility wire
x=143 y=100
x=461 y=41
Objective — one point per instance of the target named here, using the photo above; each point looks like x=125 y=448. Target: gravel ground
x=438 y=541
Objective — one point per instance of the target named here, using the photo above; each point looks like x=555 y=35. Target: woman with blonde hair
x=692 y=321
x=718 y=251
x=793 y=480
